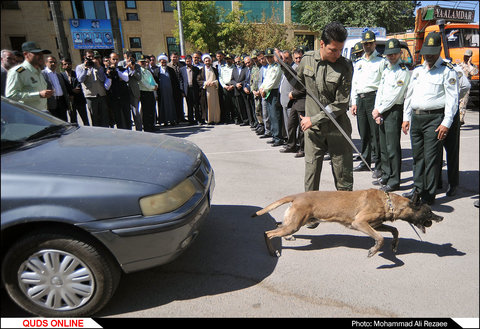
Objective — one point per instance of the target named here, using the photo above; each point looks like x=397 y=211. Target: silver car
x=82 y=204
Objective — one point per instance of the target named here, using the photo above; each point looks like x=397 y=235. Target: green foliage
x=395 y=16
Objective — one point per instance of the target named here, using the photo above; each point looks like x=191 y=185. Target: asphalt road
x=227 y=272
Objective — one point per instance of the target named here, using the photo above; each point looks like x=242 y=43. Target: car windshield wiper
x=50 y=131
x=9 y=144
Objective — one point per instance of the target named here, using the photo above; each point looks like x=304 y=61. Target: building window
x=172 y=46
x=16 y=42
x=10 y=5
x=132 y=17
x=90 y=9
x=130 y=5
x=256 y=9
x=135 y=42
x=167 y=6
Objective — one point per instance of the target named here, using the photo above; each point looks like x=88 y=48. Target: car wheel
x=59 y=275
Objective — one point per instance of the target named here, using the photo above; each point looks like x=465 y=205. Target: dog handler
x=328 y=76
x=430 y=106
x=388 y=113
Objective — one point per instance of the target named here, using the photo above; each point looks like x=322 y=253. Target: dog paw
x=372 y=252
x=289 y=238
x=395 y=246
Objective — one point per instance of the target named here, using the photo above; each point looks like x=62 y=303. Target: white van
x=350 y=43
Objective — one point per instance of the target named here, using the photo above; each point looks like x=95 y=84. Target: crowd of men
x=277 y=94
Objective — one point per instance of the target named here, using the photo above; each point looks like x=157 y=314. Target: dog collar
x=389 y=202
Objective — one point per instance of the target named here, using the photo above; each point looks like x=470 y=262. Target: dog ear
x=416 y=200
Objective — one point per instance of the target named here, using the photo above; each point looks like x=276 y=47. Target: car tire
x=59 y=274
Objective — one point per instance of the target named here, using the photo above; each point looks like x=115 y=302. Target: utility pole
x=180 y=28
x=59 y=29
x=117 y=36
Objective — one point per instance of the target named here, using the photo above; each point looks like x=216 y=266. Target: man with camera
x=92 y=77
x=134 y=77
x=118 y=94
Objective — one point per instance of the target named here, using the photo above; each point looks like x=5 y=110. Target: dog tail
x=274 y=205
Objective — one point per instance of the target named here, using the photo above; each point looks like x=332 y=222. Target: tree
x=395 y=16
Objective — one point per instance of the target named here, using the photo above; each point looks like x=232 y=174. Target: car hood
x=109 y=153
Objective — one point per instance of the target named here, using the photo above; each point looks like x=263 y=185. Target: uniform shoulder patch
x=448 y=64
x=20 y=69
x=403 y=66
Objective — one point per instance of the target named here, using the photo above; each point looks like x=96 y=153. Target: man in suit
x=134 y=76
x=78 y=102
x=284 y=89
x=190 y=90
x=239 y=75
x=175 y=64
x=59 y=103
x=248 y=94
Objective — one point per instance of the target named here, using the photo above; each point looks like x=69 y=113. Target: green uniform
x=389 y=102
x=254 y=84
x=24 y=83
x=331 y=84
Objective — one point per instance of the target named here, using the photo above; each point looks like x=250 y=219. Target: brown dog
x=364 y=210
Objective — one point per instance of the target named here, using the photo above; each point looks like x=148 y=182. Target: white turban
x=206 y=56
x=162 y=56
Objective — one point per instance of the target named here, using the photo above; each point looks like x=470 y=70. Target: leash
x=326 y=109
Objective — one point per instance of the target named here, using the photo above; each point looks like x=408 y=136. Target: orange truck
x=458 y=35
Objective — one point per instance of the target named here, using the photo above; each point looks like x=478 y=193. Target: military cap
x=392 y=47
x=432 y=44
x=254 y=53
x=32 y=47
x=357 y=48
x=96 y=54
x=269 y=52
x=303 y=48
x=229 y=56
x=142 y=58
x=368 y=36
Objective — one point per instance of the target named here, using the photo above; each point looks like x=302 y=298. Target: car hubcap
x=56 y=280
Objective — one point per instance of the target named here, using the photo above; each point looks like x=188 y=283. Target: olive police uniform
x=24 y=81
x=366 y=78
x=331 y=84
x=389 y=103
x=452 y=141
x=431 y=101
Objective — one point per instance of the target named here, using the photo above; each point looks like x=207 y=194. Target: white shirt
x=55 y=83
x=433 y=88
x=366 y=75
x=393 y=86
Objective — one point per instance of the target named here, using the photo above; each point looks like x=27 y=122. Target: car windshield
x=22 y=124
x=459 y=38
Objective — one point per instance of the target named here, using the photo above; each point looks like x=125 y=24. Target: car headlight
x=168 y=201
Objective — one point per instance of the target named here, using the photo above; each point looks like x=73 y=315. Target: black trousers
x=98 y=111
x=194 y=112
x=121 y=112
x=61 y=110
x=292 y=127
x=147 y=99
x=452 y=146
x=80 y=108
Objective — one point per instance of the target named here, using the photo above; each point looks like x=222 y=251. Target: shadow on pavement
x=229 y=254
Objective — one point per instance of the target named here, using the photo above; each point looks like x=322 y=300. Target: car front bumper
x=141 y=242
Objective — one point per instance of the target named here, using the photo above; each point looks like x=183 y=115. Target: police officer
x=388 y=114
x=25 y=82
x=357 y=51
x=269 y=92
x=366 y=78
x=327 y=76
x=430 y=106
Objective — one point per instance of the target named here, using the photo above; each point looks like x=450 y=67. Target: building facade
x=145 y=26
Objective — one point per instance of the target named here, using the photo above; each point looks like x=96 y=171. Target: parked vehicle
x=81 y=205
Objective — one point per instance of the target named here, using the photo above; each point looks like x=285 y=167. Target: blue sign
x=91 y=33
